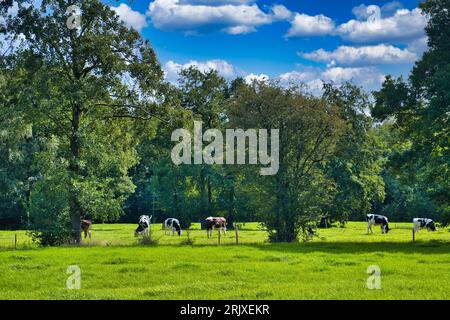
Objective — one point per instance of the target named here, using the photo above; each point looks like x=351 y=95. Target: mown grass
x=116 y=266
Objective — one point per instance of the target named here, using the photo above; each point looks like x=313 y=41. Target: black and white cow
x=172 y=224
x=377 y=220
x=143 y=226
x=420 y=223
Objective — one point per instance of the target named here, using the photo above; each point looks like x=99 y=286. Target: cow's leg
x=369 y=227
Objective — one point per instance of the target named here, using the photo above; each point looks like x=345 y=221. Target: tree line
x=86 y=121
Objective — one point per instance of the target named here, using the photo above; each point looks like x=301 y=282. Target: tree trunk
x=209 y=194
x=74 y=171
x=231 y=210
x=203 y=208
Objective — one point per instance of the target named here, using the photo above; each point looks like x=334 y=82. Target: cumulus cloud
x=233 y=17
x=224 y=68
x=281 y=13
x=313 y=79
x=418 y=46
x=133 y=19
x=216 y=2
x=304 y=25
x=390 y=23
x=360 y=56
x=365 y=76
x=250 y=78
x=363 y=12
x=371 y=26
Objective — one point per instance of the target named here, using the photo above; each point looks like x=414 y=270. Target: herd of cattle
x=172 y=225
x=378 y=220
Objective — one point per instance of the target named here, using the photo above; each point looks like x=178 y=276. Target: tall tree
x=421 y=108
x=356 y=164
x=309 y=128
x=84 y=84
x=204 y=93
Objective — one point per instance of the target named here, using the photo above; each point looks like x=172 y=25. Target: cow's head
x=431 y=226
x=177 y=228
x=386 y=228
x=138 y=230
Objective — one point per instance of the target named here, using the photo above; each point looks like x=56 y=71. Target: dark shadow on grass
x=425 y=247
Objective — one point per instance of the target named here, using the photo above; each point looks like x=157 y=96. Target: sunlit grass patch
x=333 y=268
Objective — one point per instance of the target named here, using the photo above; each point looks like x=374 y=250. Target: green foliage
x=309 y=129
x=86 y=121
x=420 y=109
x=83 y=90
x=49 y=211
x=355 y=167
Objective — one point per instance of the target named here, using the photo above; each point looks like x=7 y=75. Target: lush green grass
x=334 y=267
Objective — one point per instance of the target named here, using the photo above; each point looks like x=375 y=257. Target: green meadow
x=115 y=265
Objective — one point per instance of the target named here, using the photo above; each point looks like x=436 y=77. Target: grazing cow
x=212 y=223
x=377 y=220
x=172 y=224
x=420 y=223
x=86 y=228
x=143 y=226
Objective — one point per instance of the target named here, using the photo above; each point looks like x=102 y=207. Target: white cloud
x=418 y=46
x=281 y=13
x=363 y=12
x=403 y=26
x=369 y=78
x=234 y=17
x=365 y=76
x=224 y=68
x=304 y=25
x=360 y=56
x=239 y=29
x=373 y=24
x=131 y=18
x=216 y=2
x=250 y=78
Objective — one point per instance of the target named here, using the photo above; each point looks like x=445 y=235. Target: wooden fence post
x=219 y=234
x=414 y=235
x=15 y=241
x=236 y=231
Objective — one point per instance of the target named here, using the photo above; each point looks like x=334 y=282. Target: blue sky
x=293 y=41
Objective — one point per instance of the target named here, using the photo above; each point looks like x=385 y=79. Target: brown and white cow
x=86 y=228
x=212 y=223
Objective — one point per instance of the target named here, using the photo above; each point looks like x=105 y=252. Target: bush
x=188 y=241
x=49 y=213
